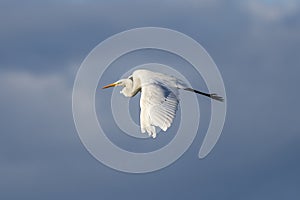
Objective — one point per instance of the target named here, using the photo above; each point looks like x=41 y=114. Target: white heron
x=159 y=97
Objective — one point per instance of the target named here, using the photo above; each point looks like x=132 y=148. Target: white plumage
x=159 y=97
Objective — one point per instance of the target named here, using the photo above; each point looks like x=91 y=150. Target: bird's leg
x=213 y=96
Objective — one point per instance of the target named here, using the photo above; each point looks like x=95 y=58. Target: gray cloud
x=255 y=44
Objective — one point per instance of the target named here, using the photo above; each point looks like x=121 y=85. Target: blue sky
x=256 y=46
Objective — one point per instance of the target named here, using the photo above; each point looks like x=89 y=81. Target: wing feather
x=158 y=107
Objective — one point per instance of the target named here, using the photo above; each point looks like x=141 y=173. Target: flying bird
x=159 y=97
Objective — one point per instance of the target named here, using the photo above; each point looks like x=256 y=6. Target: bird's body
x=159 y=97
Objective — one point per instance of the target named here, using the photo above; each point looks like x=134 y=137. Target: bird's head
x=120 y=82
x=126 y=83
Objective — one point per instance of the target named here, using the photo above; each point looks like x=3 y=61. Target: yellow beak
x=110 y=85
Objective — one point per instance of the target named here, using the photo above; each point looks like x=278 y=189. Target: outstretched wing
x=158 y=107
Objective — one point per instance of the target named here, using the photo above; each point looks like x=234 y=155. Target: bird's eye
x=131 y=78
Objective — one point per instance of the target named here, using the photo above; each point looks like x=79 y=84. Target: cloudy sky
x=255 y=44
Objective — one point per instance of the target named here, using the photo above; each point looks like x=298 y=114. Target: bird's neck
x=130 y=89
